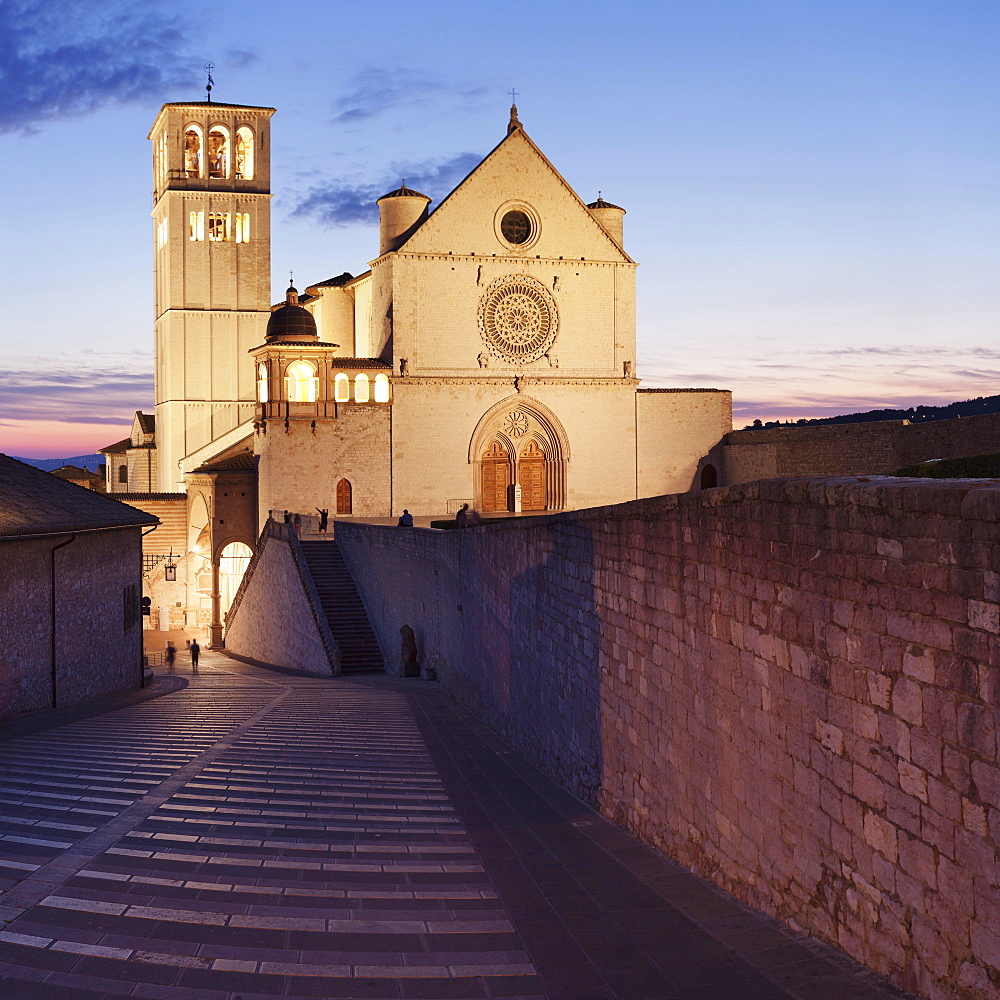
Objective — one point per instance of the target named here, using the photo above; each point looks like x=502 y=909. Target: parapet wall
x=789 y=686
x=862 y=449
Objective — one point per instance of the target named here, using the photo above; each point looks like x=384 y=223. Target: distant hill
x=90 y=462
x=915 y=414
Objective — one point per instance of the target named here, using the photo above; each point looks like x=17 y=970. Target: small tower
x=211 y=233
x=611 y=218
x=399 y=214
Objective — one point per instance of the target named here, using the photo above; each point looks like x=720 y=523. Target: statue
x=628 y=369
x=403 y=365
x=484 y=360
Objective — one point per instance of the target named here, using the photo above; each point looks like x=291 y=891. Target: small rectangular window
x=196 y=226
x=218 y=227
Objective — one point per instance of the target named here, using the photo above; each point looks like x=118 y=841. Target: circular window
x=516 y=227
x=517 y=318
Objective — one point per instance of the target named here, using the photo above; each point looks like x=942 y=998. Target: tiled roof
x=117 y=447
x=213 y=104
x=34 y=502
x=682 y=390
x=71 y=472
x=234 y=463
x=147 y=422
x=404 y=192
x=128 y=497
x=601 y=203
x=341 y=279
x=361 y=363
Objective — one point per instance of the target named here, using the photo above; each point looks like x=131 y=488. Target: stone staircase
x=359 y=652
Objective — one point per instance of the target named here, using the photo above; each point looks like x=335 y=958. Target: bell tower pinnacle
x=212 y=239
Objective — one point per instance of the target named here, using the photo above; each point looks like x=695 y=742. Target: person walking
x=324 y=513
x=170 y=654
x=195 y=651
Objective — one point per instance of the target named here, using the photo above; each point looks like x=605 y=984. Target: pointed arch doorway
x=495 y=477
x=531 y=477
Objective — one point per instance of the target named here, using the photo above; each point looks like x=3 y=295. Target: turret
x=611 y=218
x=399 y=212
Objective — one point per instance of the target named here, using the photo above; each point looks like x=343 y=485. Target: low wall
x=96 y=654
x=875 y=448
x=789 y=686
x=276 y=615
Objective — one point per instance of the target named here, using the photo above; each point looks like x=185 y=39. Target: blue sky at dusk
x=812 y=188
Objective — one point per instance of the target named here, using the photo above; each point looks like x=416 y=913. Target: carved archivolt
x=518 y=319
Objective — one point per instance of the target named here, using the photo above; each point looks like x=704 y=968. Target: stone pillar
x=215 y=640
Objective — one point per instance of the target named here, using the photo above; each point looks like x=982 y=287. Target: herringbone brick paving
x=260 y=835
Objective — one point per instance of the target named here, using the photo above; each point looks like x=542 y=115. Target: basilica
x=485 y=356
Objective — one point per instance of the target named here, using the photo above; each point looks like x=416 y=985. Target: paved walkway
x=257 y=834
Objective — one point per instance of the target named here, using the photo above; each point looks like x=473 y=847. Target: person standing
x=170 y=654
x=297 y=525
x=195 y=651
x=324 y=514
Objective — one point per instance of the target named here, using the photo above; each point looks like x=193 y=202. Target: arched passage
x=233 y=562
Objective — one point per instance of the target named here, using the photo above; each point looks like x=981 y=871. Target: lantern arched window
x=218 y=151
x=301 y=381
x=381 y=394
x=361 y=389
x=341 y=388
x=262 y=393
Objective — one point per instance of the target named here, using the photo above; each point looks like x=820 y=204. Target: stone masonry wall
x=789 y=686
x=95 y=654
x=275 y=616
x=854 y=449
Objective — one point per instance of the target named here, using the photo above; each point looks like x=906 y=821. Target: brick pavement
x=260 y=834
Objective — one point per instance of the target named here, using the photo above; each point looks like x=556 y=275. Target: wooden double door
x=497 y=477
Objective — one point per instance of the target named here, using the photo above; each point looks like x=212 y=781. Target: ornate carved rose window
x=518 y=319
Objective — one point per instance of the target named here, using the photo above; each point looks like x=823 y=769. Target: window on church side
x=161 y=159
x=301 y=381
x=192 y=151
x=218 y=227
x=244 y=153
x=381 y=389
x=341 y=388
x=218 y=151
x=196 y=226
x=241 y=227
x=123 y=473
x=361 y=394
x=262 y=383
x=162 y=233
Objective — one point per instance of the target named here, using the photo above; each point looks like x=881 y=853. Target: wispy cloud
x=340 y=202
x=378 y=92
x=105 y=391
x=65 y=57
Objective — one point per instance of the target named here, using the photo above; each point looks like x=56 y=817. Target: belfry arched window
x=361 y=389
x=341 y=388
x=244 y=153
x=262 y=383
x=301 y=382
x=192 y=151
x=381 y=389
x=218 y=151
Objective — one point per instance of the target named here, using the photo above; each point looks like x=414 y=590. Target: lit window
x=241 y=227
x=218 y=151
x=192 y=151
x=218 y=227
x=262 y=383
x=381 y=388
x=161 y=233
x=244 y=153
x=196 y=226
x=361 y=389
x=341 y=388
x=301 y=381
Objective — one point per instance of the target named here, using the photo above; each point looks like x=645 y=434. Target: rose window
x=517 y=318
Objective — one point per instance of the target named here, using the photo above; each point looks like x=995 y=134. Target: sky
x=812 y=187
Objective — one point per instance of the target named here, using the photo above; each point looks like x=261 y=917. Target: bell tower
x=212 y=242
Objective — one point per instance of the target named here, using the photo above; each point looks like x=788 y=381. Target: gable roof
x=34 y=502
x=147 y=422
x=117 y=448
x=515 y=133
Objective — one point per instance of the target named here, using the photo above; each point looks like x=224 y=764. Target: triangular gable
x=515 y=169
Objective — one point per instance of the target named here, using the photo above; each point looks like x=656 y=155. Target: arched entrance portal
x=531 y=477
x=495 y=477
x=519 y=440
x=233 y=562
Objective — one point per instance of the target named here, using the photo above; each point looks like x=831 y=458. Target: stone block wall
x=790 y=686
x=276 y=616
x=95 y=653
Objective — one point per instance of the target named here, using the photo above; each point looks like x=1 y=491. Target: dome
x=601 y=203
x=404 y=192
x=291 y=323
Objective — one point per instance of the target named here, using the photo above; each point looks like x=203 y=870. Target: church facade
x=485 y=357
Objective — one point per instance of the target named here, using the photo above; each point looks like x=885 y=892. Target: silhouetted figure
x=405 y=519
x=288 y=517
x=462 y=517
x=195 y=651
x=409 y=666
x=170 y=654
x=297 y=525
x=324 y=514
